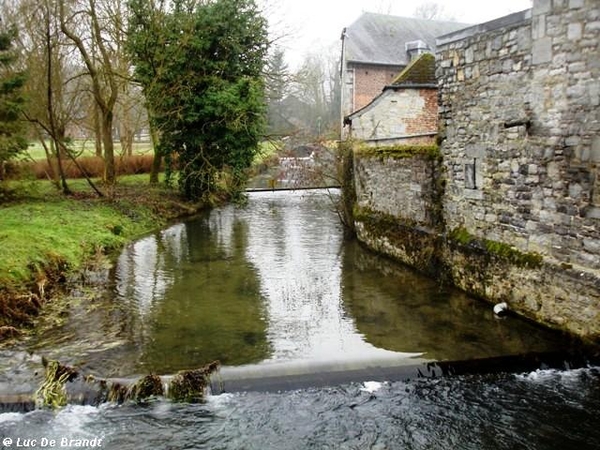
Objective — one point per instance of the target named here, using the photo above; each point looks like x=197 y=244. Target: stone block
x=593 y=213
x=475 y=151
x=594 y=93
x=578 y=66
x=575 y=4
x=473 y=194
x=590 y=27
x=595 y=149
x=592 y=245
x=469 y=55
x=542 y=7
x=542 y=51
x=575 y=31
x=575 y=190
x=530 y=225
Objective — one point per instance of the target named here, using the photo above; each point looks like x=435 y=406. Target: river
x=274 y=287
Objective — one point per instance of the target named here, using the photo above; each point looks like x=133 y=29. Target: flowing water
x=274 y=287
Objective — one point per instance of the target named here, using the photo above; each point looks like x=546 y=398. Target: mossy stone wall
x=400 y=193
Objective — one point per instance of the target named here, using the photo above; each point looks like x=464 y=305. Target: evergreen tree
x=200 y=64
x=277 y=86
x=12 y=131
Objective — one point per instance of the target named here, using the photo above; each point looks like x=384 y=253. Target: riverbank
x=46 y=237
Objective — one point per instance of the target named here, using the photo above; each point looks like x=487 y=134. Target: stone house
x=404 y=112
x=376 y=48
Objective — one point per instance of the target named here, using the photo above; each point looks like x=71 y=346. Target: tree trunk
x=126 y=138
x=97 y=132
x=157 y=156
x=110 y=175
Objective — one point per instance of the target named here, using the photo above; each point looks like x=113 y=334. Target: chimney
x=416 y=48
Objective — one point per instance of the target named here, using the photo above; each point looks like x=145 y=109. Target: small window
x=470 y=175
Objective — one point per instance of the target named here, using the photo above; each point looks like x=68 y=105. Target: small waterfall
x=192 y=386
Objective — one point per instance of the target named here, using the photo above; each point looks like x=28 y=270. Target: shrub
x=92 y=165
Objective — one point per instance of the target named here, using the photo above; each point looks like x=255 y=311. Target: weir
x=295 y=375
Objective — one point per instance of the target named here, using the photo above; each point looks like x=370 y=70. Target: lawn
x=83 y=147
x=44 y=235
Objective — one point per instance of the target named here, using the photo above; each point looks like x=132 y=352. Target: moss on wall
x=346 y=176
x=496 y=249
x=399 y=151
x=417 y=246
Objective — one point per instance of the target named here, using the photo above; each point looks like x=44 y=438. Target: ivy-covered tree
x=12 y=131
x=200 y=64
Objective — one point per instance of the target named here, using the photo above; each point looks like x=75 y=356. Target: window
x=470 y=175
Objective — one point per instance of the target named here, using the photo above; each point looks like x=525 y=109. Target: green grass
x=64 y=232
x=41 y=230
x=82 y=147
x=266 y=151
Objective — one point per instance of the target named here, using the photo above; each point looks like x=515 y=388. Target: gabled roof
x=419 y=72
x=381 y=39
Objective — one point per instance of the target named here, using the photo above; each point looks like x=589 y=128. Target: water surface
x=541 y=410
x=275 y=283
x=267 y=283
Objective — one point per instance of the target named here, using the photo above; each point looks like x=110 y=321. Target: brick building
x=404 y=112
x=376 y=48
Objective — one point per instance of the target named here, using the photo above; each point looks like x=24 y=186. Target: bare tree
x=432 y=11
x=93 y=44
x=316 y=85
x=128 y=111
x=57 y=95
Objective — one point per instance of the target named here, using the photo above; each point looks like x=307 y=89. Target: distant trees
x=86 y=24
x=54 y=103
x=432 y=11
x=317 y=85
x=201 y=65
x=277 y=82
x=78 y=74
x=304 y=102
x=12 y=102
x=198 y=72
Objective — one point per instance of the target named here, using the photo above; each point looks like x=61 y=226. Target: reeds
x=93 y=166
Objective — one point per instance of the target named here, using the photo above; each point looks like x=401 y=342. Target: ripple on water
x=545 y=410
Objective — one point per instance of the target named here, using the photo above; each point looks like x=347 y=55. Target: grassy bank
x=45 y=236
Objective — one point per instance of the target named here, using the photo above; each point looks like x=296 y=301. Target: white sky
x=309 y=25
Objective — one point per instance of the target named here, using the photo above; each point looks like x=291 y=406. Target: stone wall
x=398 y=186
x=519 y=109
x=519 y=197
x=520 y=126
x=396 y=210
x=396 y=114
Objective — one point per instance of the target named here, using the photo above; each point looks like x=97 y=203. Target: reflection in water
x=271 y=282
x=400 y=310
x=211 y=307
x=299 y=262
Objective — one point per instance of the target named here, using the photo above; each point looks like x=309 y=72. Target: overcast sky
x=317 y=24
